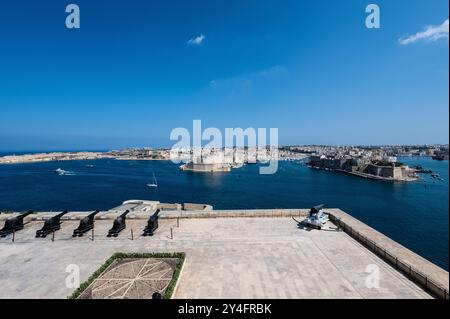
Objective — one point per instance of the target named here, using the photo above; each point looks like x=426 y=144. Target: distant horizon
x=162 y=147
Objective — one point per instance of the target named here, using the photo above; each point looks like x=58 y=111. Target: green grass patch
x=170 y=288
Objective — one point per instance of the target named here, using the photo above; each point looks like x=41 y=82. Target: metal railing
x=408 y=270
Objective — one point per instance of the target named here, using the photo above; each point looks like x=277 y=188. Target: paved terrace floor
x=225 y=258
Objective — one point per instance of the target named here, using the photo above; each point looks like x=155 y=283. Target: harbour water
x=415 y=214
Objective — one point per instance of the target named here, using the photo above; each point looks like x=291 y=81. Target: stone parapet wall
x=431 y=277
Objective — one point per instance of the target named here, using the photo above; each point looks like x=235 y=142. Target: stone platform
x=233 y=257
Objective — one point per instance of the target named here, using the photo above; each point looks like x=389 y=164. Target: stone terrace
x=234 y=257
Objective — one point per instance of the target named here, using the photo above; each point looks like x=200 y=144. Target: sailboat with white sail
x=154 y=183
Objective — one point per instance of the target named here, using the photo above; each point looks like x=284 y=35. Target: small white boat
x=154 y=183
x=237 y=165
x=60 y=171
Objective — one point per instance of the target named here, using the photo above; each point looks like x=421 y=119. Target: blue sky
x=130 y=74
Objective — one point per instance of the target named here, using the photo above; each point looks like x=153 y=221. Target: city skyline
x=133 y=73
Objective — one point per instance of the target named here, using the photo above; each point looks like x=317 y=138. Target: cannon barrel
x=118 y=225
x=14 y=224
x=50 y=225
x=86 y=224
x=58 y=216
x=124 y=214
x=152 y=224
x=22 y=216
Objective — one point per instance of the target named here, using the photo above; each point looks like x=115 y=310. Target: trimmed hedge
x=170 y=288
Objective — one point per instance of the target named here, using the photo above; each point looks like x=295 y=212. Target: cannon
x=316 y=217
x=13 y=224
x=152 y=224
x=118 y=225
x=86 y=224
x=50 y=225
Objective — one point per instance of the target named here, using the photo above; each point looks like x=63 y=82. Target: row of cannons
x=53 y=224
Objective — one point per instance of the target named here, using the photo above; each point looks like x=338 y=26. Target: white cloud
x=197 y=40
x=431 y=33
